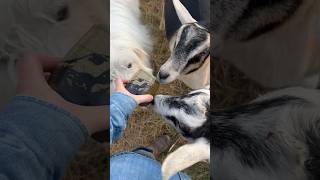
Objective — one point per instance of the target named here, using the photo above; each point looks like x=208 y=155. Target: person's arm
x=122 y=104
x=37 y=139
x=121 y=107
x=40 y=131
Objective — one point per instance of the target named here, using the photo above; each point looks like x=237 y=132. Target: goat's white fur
x=130 y=41
x=184 y=157
x=199 y=78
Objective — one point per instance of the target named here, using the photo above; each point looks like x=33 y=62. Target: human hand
x=33 y=72
x=138 y=98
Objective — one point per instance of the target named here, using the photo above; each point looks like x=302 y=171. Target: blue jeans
x=37 y=139
x=138 y=165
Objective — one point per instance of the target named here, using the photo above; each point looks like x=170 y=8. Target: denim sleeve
x=37 y=139
x=121 y=107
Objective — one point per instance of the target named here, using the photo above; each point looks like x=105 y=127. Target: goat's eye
x=203 y=53
x=190 y=46
x=129 y=65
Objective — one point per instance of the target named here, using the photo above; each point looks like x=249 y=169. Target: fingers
x=38 y=62
x=48 y=63
x=125 y=81
x=138 y=98
x=34 y=66
x=119 y=85
x=32 y=72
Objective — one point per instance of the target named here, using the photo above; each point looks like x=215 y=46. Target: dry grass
x=144 y=125
x=90 y=163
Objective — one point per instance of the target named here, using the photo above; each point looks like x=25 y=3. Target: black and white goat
x=275 y=137
x=190 y=53
x=188 y=114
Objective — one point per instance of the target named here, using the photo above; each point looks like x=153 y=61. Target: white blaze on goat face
x=186 y=112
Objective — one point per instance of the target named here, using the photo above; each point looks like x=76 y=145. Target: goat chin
x=184 y=157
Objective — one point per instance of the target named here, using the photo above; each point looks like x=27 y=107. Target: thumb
x=143 y=98
x=120 y=85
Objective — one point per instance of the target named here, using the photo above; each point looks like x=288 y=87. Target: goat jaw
x=183 y=14
x=184 y=157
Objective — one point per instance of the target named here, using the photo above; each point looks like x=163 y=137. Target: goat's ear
x=184 y=157
x=183 y=14
x=144 y=57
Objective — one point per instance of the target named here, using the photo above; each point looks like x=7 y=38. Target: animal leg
x=184 y=157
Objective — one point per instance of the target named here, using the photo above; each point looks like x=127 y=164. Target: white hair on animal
x=274 y=137
x=41 y=26
x=190 y=54
x=130 y=41
x=184 y=157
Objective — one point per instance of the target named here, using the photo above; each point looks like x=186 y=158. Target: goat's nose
x=163 y=76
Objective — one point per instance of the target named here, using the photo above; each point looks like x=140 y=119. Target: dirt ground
x=144 y=125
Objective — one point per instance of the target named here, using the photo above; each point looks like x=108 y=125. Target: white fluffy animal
x=130 y=41
x=42 y=26
x=190 y=53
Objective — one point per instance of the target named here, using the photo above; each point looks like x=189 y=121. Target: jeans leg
x=134 y=166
